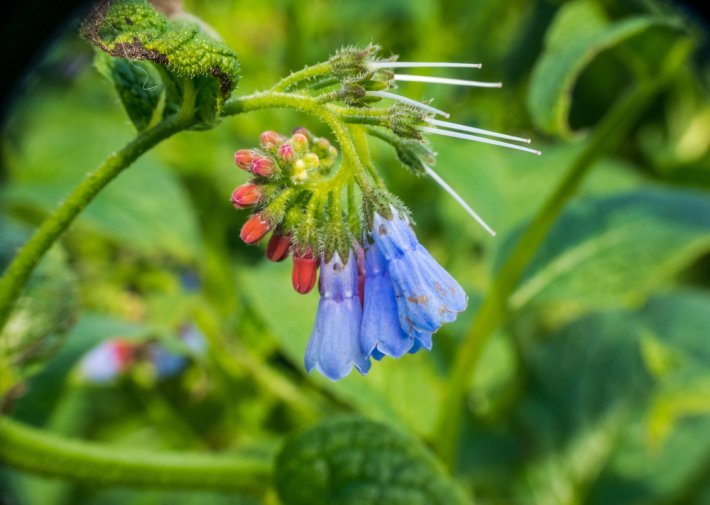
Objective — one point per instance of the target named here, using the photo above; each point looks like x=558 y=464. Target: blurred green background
x=596 y=389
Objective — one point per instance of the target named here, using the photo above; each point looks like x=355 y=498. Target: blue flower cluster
x=407 y=296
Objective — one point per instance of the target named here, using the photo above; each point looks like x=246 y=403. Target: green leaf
x=579 y=32
x=616 y=249
x=47 y=309
x=663 y=456
x=391 y=391
x=142 y=89
x=196 y=67
x=596 y=434
x=506 y=188
x=145 y=209
x=354 y=461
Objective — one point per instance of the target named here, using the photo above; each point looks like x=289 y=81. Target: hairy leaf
x=353 y=461
x=608 y=250
x=197 y=67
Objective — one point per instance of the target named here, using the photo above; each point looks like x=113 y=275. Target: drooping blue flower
x=426 y=295
x=334 y=346
x=380 y=333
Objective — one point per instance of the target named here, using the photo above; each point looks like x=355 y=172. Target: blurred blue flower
x=106 y=361
x=334 y=346
x=426 y=295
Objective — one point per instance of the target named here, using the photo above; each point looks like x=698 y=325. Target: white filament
x=408 y=101
x=441 y=182
x=475 y=138
x=471 y=129
x=446 y=80
x=420 y=64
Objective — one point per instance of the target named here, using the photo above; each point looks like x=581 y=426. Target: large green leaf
x=596 y=432
x=144 y=209
x=616 y=249
x=578 y=34
x=353 y=461
x=391 y=391
x=507 y=187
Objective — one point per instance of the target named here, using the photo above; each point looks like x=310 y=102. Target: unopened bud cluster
x=285 y=171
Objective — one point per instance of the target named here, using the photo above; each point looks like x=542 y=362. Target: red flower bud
x=123 y=350
x=254 y=229
x=277 y=248
x=244 y=158
x=305 y=272
x=270 y=140
x=262 y=166
x=246 y=195
x=286 y=152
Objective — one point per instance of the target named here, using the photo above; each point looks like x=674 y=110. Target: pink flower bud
x=246 y=195
x=278 y=246
x=262 y=166
x=305 y=272
x=254 y=229
x=299 y=142
x=270 y=140
x=244 y=158
x=286 y=152
x=302 y=130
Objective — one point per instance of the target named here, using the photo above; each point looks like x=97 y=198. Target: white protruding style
x=446 y=80
x=471 y=129
x=375 y=65
x=408 y=101
x=476 y=138
x=441 y=182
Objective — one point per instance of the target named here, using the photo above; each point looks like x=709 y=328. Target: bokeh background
x=596 y=389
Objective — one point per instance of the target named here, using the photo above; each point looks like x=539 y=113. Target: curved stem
x=310 y=106
x=314 y=71
x=614 y=126
x=18 y=272
x=43 y=453
x=359 y=136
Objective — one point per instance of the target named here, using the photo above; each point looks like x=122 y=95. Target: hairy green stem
x=614 y=126
x=311 y=72
x=43 y=453
x=18 y=272
x=310 y=106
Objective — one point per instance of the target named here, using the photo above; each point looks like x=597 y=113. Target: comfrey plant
x=330 y=210
x=382 y=293
x=325 y=204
